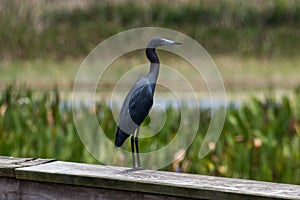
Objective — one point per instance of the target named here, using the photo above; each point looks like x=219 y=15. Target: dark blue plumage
x=141 y=102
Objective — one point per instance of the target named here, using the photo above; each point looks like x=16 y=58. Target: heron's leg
x=136 y=140
x=132 y=151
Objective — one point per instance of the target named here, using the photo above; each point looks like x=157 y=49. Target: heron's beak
x=168 y=42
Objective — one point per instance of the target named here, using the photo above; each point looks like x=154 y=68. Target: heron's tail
x=121 y=136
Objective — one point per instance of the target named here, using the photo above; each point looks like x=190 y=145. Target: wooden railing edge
x=142 y=181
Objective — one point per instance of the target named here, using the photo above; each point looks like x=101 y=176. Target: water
x=235 y=98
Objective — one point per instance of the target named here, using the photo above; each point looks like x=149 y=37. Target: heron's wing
x=135 y=109
x=140 y=102
x=136 y=106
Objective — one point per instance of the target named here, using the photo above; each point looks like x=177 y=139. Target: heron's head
x=158 y=41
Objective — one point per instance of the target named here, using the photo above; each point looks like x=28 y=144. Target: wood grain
x=35 y=178
x=9 y=164
x=44 y=190
x=156 y=182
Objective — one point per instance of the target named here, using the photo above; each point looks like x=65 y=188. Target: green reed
x=260 y=139
x=35 y=29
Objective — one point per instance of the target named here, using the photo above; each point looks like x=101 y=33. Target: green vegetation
x=254 y=43
x=239 y=74
x=36 y=29
x=260 y=140
x=42 y=43
x=33 y=125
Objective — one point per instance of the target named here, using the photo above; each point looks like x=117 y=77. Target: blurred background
x=255 y=44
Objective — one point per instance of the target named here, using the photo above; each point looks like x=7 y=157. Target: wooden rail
x=28 y=178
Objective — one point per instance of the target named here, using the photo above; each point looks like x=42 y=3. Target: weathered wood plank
x=156 y=182
x=43 y=190
x=9 y=164
x=11 y=189
x=8 y=188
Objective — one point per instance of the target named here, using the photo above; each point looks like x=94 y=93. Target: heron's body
x=135 y=109
x=139 y=100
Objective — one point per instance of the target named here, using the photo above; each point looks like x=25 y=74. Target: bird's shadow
x=132 y=170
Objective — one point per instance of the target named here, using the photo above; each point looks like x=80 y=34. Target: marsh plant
x=260 y=139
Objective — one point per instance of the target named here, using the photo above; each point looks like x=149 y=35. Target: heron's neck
x=154 y=66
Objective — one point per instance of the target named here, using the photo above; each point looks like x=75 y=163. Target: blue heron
x=139 y=100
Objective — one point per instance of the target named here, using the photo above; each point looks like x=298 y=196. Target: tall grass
x=260 y=139
x=38 y=125
x=42 y=29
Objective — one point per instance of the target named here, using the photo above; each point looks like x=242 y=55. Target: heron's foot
x=133 y=169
